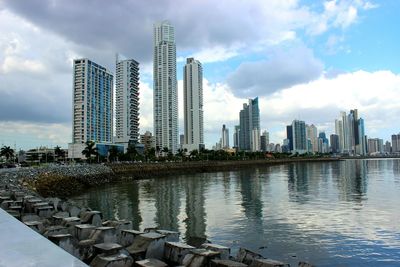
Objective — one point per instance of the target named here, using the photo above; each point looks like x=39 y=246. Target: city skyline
x=346 y=56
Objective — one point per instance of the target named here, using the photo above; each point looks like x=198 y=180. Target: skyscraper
x=311 y=134
x=165 y=94
x=323 y=143
x=249 y=136
x=193 y=104
x=225 y=137
x=236 y=137
x=350 y=130
x=264 y=141
x=289 y=135
x=127 y=102
x=92 y=106
x=334 y=138
x=375 y=146
x=299 y=136
x=395 y=143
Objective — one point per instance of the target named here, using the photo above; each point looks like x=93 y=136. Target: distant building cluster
x=93 y=113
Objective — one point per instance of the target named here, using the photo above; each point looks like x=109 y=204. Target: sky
x=305 y=60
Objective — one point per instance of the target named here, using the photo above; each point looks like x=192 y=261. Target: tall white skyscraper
x=193 y=105
x=165 y=93
x=127 y=102
x=92 y=106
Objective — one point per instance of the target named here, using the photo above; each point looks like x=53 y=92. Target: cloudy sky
x=304 y=59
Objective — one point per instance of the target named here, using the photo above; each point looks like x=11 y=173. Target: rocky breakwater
x=152 y=170
x=83 y=233
x=60 y=181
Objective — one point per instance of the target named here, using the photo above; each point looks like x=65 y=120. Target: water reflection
x=167 y=202
x=352 y=180
x=337 y=213
x=195 y=211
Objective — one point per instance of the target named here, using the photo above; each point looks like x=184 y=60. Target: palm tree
x=113 y=153
x=180 y=153
x=7 y=152
x=131 y=152
x=150 y=154
x=59 y=152
x=90 y=150
x=194 y=154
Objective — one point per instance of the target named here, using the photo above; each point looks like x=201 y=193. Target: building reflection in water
x=352 y=182
x=396 y=169
x=167 y=203
x=250 y=189
x=112 y=202
x=195 y=221
x=298 y=175
x=132 y=205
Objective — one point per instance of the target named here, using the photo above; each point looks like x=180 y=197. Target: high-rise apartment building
x=249 y=135
x=387 y=147
x=375 y=146
x=395 y=143
x=289 y=135
x=224 y=137
x=165 y=93
x=92 y=106
x=236 y=137
x=127 y=102
x=299 y=137
x=264 y=141
x=323 y=143
x=147 y=139
x=312 y=136
x=193 y=105
x=334 y=138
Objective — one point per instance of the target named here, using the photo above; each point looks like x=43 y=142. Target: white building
x=193 y=105
x=127 y=102
x=375 y=146
x=92 y=106
x=312 y=135
x=165 y=93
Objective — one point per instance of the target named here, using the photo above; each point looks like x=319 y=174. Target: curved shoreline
x=65 y=181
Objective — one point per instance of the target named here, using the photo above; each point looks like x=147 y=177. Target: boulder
x=247 y=256
x=174 y=252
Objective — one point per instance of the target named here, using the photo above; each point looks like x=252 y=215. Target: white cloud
x=145 y=107
x=283 y=69
x=17 y=64
x=23 y=134
x=214 y=54
x=337 y=14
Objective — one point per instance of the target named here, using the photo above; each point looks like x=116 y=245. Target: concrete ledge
x=20 y=246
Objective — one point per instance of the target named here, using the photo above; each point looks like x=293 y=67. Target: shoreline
x=66 y=181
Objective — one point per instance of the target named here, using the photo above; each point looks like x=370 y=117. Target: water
x=330 y=214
